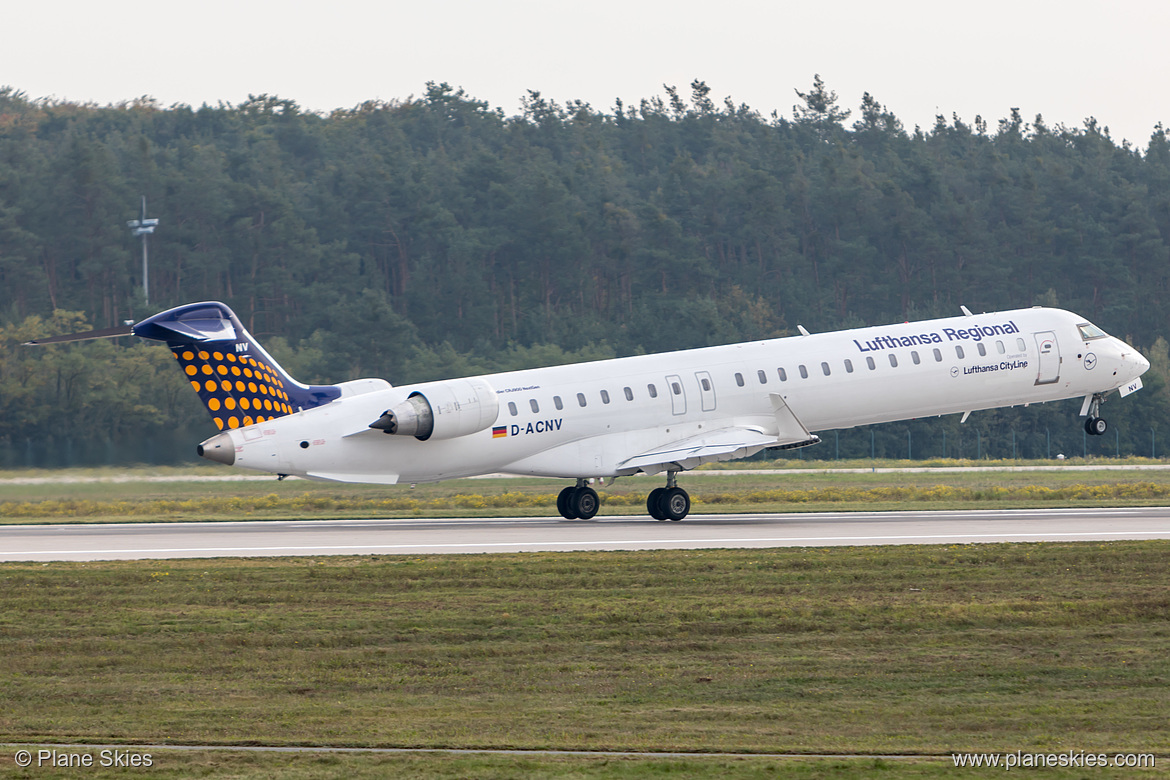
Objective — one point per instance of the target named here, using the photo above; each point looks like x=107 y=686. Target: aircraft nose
x=1137 y=362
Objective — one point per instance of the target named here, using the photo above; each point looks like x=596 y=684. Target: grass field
x=920 y=650
x=24 y=499
x=898 y=650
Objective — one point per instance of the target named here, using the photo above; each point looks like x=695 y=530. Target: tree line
x=434 y=236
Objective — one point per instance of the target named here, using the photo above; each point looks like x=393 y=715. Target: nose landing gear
x=1095 y=425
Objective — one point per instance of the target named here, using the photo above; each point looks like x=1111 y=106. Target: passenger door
x=1049 y=353
x=706 y=390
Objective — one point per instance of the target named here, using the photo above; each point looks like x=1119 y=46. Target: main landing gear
x=670 y=502
x=1095 y=425
x=580 y=502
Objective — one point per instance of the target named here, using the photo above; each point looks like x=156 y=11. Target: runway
x=526 y=534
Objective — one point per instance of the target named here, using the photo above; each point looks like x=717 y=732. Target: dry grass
x=724 y=491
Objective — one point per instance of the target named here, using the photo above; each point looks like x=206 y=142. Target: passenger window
x=512 y=408
x=629 y=393
x=825 y=368
x=848 y=366
x=959 y=351
x=707 y=384
x=937 y=355
x=581 y=399
x=763 y=377
x=869 y=362
x=535 y=406
x=1020 y=345
x=783 y=374
x=738 y=379
x=893 y=360
x=652 y=390
x=982 y=349
x=803 y=372
x=675 y=388
x=605 y=396
x=914 y=356
x=1000 y=348
x=557 y=402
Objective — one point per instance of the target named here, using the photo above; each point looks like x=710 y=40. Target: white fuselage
x=588 y=419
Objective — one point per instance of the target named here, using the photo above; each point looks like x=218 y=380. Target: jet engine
x=443 y=410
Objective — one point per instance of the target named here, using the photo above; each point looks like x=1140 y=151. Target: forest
x=433 y=236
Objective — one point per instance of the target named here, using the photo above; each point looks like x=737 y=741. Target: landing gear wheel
x=564 y=499
x=674 y=503
x=1096 y=426
x=584 y=503
x=654 y=503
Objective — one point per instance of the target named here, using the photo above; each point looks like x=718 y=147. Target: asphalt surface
x=492 y=535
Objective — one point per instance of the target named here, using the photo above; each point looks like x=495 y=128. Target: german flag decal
x=499 y=432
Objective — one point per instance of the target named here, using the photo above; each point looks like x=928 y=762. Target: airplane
x=645 y=414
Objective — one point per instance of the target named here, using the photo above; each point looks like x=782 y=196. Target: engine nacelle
x=443 y=410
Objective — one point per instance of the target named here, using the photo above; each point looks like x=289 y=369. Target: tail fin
x=238 y=382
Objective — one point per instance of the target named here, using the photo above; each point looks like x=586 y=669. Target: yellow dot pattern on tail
x=238 y=390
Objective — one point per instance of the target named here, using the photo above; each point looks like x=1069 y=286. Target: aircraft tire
x=654 y=503
x=584 y=503
x=564 y=502
x=1099 y=426
x=675 y=504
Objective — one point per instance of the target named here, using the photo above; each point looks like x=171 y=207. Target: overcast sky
x=1065 y=59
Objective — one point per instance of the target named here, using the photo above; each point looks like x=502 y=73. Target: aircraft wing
x=722 y=444
x=736 y=441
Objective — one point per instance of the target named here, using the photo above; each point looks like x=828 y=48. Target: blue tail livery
x=237 y=380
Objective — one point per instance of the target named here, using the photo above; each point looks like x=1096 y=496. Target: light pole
x=143 y=227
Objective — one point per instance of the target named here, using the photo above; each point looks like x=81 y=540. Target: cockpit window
x=1090 y=331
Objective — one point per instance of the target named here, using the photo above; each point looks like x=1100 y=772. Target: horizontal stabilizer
x=104 y=333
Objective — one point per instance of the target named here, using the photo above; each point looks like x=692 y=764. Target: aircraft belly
x=596 y=456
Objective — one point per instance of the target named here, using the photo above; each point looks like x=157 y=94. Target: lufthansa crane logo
x=1090 y=361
